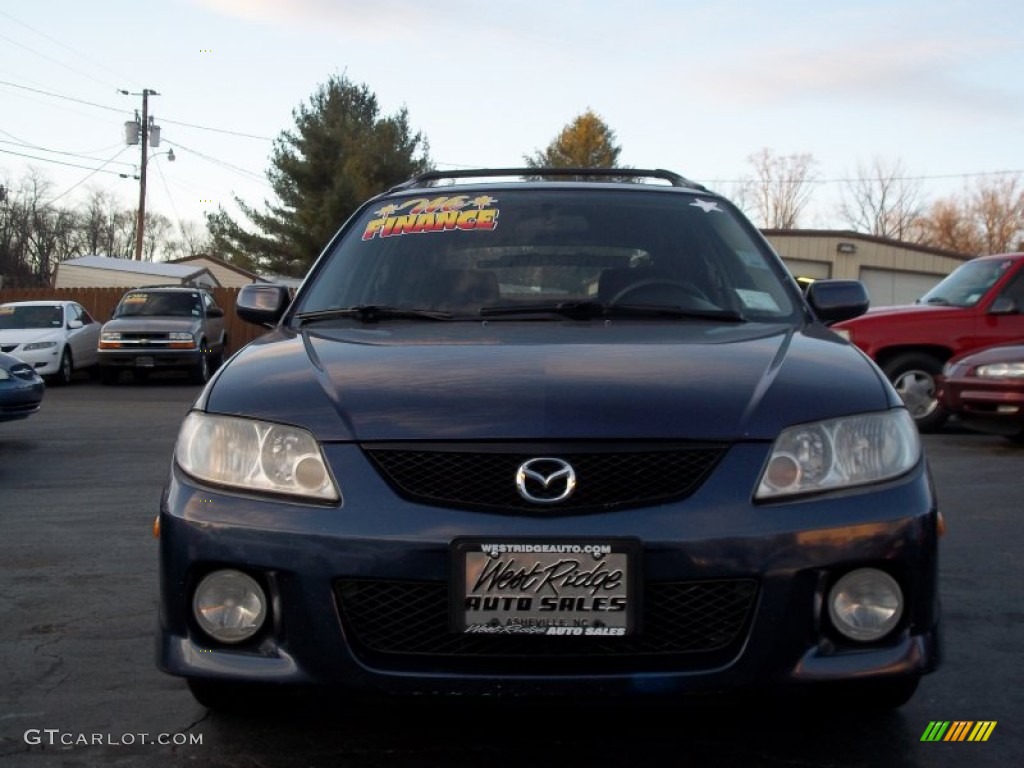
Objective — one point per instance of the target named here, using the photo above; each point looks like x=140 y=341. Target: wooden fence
x=100 y=303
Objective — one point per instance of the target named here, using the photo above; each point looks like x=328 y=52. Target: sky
x=694 y=87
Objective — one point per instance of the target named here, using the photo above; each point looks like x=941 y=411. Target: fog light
x=229 y=606
x=865 y=604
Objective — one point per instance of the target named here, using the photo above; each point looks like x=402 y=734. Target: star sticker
x=707 y=205
x=387 y=210
x=483 y=201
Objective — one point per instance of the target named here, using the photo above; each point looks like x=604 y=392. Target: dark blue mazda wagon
x=550 y=432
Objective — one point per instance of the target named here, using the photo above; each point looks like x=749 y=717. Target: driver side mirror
x=74 y=325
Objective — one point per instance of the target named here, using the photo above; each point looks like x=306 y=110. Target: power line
x=217 y=130
x=56 y=151
x=129 y=112
x=62 y=45
x=60 y=162
x=55 y=61
x=221 y=163
x=86 y=178
x=66 y=98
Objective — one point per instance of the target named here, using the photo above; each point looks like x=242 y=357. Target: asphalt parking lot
x=80 y=483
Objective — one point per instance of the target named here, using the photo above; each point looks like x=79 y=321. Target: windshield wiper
x=939 y=300
x=586 y=310
x=371 y=313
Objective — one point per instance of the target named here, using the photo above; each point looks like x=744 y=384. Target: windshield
x=519 y=249
x=965 y=286
x=177 y=304
x=38 y=316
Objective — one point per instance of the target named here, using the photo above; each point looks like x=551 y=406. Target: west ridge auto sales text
x=547 y=603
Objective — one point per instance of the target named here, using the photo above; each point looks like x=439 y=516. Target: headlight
x=110 y=336
x=4 y=375
x=839 y=453
x=1000 y=371
x=39 y=345
x=254 y=456
x=179 y=336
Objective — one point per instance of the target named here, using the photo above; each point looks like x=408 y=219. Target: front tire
x=913 y=376
x=66 y=370
x=201 y=372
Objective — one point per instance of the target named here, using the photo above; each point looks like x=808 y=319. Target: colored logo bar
x=958 y=730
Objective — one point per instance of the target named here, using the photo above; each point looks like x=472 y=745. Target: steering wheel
x=687 y=289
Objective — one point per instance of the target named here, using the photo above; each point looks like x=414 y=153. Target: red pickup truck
x=980 y=304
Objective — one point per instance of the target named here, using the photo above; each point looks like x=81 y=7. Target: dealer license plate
x=557 y=588
x=144 y=362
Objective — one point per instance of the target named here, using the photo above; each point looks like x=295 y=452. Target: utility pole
x=144 y=127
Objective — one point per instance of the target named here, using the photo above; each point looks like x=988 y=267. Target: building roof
x=851 y=235
x=161 y=268
x=220 y=262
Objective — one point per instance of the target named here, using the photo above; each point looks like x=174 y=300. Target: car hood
x=29 y=335
x=882 y=314
x=150 y=324
x=1006 y=353
x=520 y=381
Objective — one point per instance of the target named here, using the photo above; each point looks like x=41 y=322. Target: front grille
x=390 y=620
x=483 y=477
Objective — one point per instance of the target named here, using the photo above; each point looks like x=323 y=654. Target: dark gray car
x=160 y=328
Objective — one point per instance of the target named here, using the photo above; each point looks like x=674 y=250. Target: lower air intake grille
x=411 y=618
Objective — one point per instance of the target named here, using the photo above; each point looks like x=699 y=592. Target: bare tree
x=780 y=188
x=99 y=226
x=158 y=229
x=36 y=234
x=191 y=241
x=998 y=205
x=882 y=201
x=987 y=218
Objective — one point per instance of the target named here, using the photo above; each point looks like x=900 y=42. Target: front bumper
x=990 y=405
x=307 y=558
x=148 y=358
x=45 y=361
x=19 y=398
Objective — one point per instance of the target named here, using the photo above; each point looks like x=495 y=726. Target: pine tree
x=586 y=142
x=341 y=152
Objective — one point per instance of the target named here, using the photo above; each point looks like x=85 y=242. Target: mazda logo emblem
x=545 y=480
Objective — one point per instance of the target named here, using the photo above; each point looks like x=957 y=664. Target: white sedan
x=57 y=338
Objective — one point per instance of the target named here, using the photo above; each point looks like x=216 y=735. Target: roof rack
x=545 y=171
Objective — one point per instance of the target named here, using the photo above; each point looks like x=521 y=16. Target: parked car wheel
x=66 y=369
x=201 y=371
x=913 y=375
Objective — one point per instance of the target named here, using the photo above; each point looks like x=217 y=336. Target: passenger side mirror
x=215 y=312
x=74 y=325
x=836 y=300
